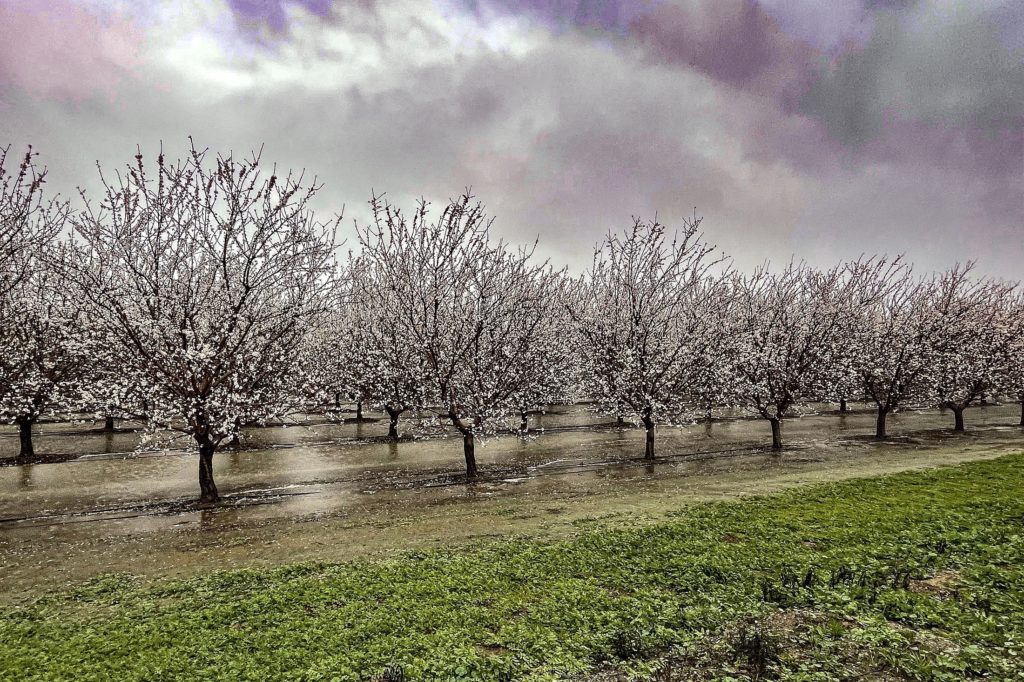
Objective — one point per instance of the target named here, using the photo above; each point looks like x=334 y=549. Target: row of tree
x=203 y=295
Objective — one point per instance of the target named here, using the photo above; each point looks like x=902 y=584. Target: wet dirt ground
x=316 y=490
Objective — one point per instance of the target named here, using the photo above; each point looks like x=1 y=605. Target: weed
x=757 y=645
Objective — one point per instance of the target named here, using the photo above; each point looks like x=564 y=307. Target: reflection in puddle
x=287 y=477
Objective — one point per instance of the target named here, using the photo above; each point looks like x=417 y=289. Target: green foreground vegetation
x=914 y=576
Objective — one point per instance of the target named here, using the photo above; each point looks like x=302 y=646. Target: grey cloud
x=568 y=141
x=924 y=65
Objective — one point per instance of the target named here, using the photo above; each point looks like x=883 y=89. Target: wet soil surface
x=327 y=490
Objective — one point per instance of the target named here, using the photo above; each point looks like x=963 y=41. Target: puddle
x=326 y=490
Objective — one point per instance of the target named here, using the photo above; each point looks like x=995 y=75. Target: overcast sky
x=821 y=128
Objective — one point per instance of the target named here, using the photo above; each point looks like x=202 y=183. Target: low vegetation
x=911 y=576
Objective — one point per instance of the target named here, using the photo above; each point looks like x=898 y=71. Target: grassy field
x=915 y=576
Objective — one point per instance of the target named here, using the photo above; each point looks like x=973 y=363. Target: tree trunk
x=359 y=410
x=776 y=433
x=393 y=423
x=337 y=399
x=649 y=440
x=207 y=488
x=880 y=433
x=843 y=407
x=468 y=451
x=620 y=420
x=25 y=436
x=467 y=445
x=108 y=423
x=524 y=421
x=1022 y=411
x=958 y=417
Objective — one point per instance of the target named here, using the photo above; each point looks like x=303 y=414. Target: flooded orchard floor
x=329 y=491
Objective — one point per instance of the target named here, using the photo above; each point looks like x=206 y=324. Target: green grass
x=911 y=576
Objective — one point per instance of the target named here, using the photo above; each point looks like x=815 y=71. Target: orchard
x=199 y=296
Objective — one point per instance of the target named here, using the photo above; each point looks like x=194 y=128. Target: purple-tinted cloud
x=831 y=28
x=62 y=50
x=747 y=44
x=983 y=154
x=733 y=41
x=825 y=129
x=612 y=16
x=928 y=85
x=823 y=73
x=272 y=14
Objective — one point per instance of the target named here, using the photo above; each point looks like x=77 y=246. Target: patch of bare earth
x=941 y=586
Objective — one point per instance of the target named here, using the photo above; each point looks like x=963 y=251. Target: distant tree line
x=202 y=295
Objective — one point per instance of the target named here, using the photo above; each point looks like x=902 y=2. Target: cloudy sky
x=824 y=128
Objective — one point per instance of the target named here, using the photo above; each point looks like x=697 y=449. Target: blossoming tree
x=49 y=348
x=645 y=315
x=788 y=336
x=208 y=275
x=44 y=339
x=1012 y=365
x=472 y=308
x=890 y=338
x=971 y=318
x=29 y=223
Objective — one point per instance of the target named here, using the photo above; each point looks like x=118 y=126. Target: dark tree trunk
x=25 y=436
x=468 y=450
x=337 y=399
x=207 y=488
x=880 y=433
x=524 y=421
x=1022 y=411
x=620 y=420
x=776 y=433
x=393 y=422
x=108 y=423
x=649 y=432
x=958 y=417
x=359 y=409
x=843 y=407
x=468 y=444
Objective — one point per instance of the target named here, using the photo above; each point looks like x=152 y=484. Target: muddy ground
x=330 y=491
